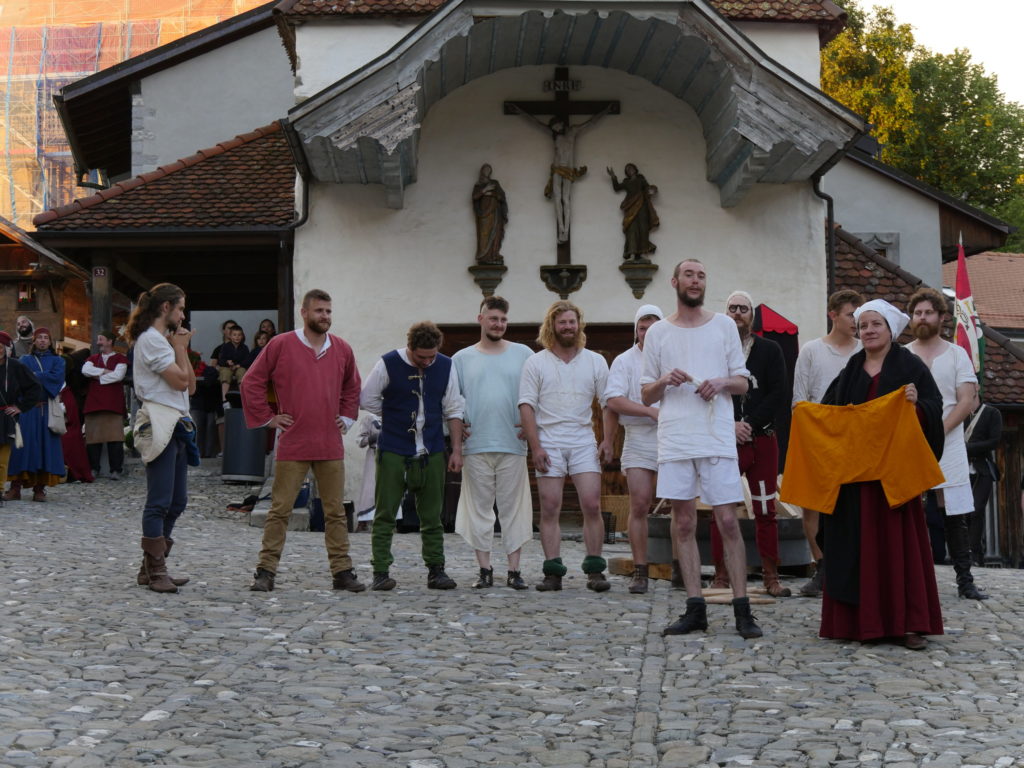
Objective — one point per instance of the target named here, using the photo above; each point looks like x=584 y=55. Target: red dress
x=73 y=442
x=898 y=593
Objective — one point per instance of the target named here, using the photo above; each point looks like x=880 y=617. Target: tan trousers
x=5 y=458
x=288 y=477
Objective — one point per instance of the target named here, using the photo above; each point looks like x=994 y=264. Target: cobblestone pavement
x=99 y=672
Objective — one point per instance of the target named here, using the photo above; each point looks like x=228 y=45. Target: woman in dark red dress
x=879 y=576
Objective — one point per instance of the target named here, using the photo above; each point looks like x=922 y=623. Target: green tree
x=867 y=69
x=939 y=117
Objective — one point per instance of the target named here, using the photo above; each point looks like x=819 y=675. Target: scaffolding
x=46 y=44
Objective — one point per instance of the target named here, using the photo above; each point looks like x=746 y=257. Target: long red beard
x=924 y=331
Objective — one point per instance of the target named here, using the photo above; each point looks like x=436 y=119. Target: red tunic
x=312 y=390
x=106 y=397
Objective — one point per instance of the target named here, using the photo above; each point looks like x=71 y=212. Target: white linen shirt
x=688 y=426
x=816 y=368
x=624 y=381
x=562 y=394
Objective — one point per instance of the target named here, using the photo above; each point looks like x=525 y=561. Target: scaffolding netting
x=46 y=44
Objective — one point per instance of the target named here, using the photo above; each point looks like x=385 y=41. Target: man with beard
x=693 y=364
x=820 y=362
x=24 y=339
x=556 y=396
x=415 y=391
x=756 y=444
x=954 y=373
x=639 y=459
x=494 y=455
x=316 y=382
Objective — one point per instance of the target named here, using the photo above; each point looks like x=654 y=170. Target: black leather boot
x=696 y=617
x=957 y=542
x=745 y=623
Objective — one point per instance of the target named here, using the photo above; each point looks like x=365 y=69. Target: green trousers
x=423 y=476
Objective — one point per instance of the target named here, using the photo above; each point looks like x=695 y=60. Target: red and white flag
x=968 y=325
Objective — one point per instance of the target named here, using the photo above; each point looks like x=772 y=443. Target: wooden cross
x=561 y=110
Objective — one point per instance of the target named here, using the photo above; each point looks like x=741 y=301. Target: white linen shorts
x=640 y=448
x=959 y=499
x=716 y=480
x=571 y=461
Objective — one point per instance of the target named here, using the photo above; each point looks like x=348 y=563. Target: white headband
x=645 y=310
x=744 y=294
x=895 y=319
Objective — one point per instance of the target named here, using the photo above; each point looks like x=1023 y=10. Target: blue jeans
x=167 y=485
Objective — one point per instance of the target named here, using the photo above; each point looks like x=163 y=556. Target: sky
x=991 y=32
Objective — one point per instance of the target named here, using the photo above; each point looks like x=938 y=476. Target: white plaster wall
x=389 y=268
x=795 y=46
x=327 y=52
x=867 y=201
x=211 y=98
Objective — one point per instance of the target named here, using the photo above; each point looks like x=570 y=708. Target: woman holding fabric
x=40 y=461
x=879 y=577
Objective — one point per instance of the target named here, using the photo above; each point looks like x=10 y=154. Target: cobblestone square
x=100 y=672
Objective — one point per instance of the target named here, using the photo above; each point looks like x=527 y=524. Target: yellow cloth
x=831 y=445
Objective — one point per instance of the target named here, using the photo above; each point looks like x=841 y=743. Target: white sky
x=989 y=29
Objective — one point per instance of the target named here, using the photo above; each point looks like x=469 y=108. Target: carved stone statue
x=638 y=214
x=563 y=168
x=491 y=211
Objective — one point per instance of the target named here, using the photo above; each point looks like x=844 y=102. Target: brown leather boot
x=770 y=574
x=721 y=580
x=38 y=493
x=142 y=578
x=180 y=580
x=638 y=584
x=677 y=576
x=154 y=550
x=14 y=492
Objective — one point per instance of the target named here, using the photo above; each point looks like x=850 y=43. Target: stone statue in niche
x=638 y=214
x=491 y=211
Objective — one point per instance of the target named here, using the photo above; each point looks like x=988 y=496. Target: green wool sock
x=554 y=567
x=594 y=564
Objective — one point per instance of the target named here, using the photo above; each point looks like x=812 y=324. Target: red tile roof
x=875 y=277
x=779 y=10
x=997 y=283
x=737 y=10
x=246 y=182
x=365 y=8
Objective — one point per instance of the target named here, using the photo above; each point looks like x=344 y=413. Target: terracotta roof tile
x=367 y=8
x=875 y=277
x=739 y=10
x=246 y=182
x=997 y=282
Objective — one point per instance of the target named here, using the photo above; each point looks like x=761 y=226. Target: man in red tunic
x=105 y=406
x=317 y=385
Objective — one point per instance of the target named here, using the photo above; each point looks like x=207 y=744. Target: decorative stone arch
x=761 y=123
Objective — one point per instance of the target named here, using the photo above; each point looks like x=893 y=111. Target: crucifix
x=563 y=132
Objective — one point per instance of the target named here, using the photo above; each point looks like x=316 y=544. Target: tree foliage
x=939 y=117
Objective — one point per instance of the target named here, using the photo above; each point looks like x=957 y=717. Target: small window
x=26 y=296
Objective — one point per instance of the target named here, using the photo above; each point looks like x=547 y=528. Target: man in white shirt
x=164 y=379
x=954 y=374
x=556 y=395
x=639 y=459
x=494 y=454
x=415 y=391
x=820 y=361
x=693 y=364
